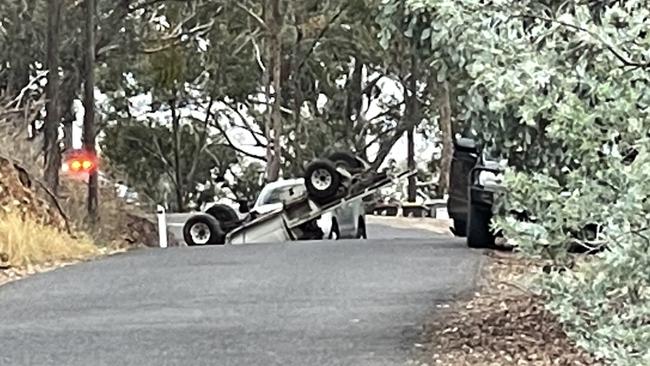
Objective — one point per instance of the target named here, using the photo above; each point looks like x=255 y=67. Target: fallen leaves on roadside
x=502 y=325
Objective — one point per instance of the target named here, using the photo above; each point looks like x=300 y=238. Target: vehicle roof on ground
x=273 y=187
x=284 y=182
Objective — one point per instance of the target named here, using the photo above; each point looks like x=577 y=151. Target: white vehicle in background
x=345 y=222
x=326 y=202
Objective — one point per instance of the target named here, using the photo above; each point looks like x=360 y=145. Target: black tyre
x=460 y=228
x=322 y=181
x=335 y=232
x=226 y=216
x=345 y=159
x=203 y=229
x=361 y=229
x=479 y=234
x=223 y=213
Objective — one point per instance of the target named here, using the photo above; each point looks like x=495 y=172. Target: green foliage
x=605 y=304
x=144 y=152
x=561 y=91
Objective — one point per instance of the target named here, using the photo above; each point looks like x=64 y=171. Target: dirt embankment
x=19 y=195
x=39 y=231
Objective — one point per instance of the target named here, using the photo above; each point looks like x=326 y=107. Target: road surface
x=310 y=303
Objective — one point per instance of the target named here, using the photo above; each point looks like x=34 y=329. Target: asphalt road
x=309 y=303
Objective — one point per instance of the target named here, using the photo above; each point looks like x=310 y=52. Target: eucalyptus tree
x=560 y=88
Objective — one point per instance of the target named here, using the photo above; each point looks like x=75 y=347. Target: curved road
x=308 y=303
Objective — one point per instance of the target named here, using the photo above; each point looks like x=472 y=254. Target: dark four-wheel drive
x=473 y=184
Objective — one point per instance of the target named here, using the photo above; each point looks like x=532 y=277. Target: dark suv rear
x=465 y=157
x=471 y=196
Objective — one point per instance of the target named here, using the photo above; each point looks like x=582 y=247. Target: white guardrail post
x=162 y=226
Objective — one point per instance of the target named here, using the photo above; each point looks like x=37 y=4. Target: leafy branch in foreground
x=561 y=92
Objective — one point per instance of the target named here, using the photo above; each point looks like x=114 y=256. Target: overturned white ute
x=325 y=202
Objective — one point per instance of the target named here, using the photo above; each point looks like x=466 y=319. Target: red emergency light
x=80 y=162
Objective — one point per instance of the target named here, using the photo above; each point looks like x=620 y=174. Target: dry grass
x=73 y=198
x=26 y=243
x=32 y=235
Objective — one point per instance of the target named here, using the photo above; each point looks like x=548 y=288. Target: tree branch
x=201 y=145
x=320 y=36
x=379 y=137
x=625 y=60
x=229 y=142
x=246 y=126
x=159 y=155
x=256 y=17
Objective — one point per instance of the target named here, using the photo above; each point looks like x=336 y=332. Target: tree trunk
x=69 y=88
x=277 y=116
x=297 y=106
x=180 y=200
x=201 y=144
x=298 y=99
x=89 y=109
x=444 y=107
x=275 y=26
x=51 y=138
x=353 y=104
x=412 y=182
x=267 y=76
x=68 y=127
x=22 y=35
x=268 y=119
x=413 y=115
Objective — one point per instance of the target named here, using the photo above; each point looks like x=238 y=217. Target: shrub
x=561 y=88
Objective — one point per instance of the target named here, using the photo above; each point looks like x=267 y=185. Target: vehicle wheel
x=203 y=229
x=322 y=180
x=460 y=228
x=223 y=213
x=361 y=229
x=345 y=159
x=479 y=234
x=226 y=215
x=335 y=232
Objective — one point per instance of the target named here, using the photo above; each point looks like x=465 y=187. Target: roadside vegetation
x=34 y=233
x=28 y=243
x=41 y=231
x=560 y=88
